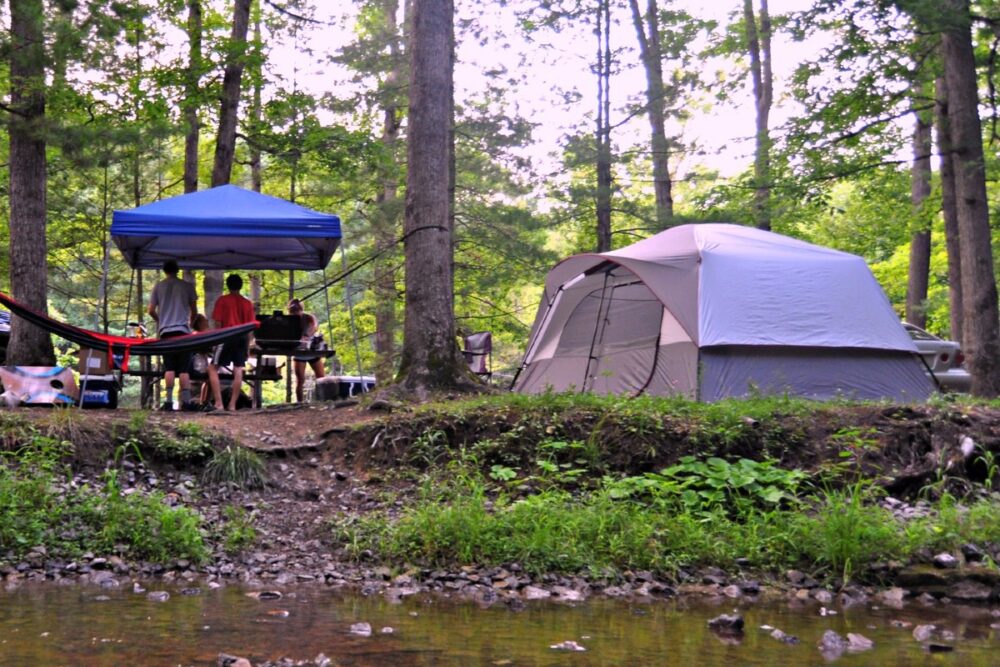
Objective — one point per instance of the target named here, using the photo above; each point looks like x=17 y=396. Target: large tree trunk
x=979 y=292
x=603 y=200
x=920 y=239
x=949 y=210
x=648 y=34
x=430 y=356
x=225 y=142
x=759 y=47
x=29 y=345
x=387 y=215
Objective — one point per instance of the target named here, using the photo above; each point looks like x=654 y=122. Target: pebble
x=361 y=629
x=568 y=645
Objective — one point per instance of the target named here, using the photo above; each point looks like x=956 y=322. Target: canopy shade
x=226 y=227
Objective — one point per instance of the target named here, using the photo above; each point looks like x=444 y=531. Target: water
x=89 y=627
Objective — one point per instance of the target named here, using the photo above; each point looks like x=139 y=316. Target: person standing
x=172 y=305
x=230 y=310
x=311 y=349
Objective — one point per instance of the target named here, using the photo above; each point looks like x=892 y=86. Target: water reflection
x=90 y=627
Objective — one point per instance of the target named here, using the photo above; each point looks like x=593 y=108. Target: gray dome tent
x=711 y=311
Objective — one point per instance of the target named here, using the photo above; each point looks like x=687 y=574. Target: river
x=90 y=627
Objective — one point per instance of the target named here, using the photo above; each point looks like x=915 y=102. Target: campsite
x=499 y=333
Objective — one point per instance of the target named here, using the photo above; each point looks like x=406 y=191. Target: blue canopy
x=226 y=227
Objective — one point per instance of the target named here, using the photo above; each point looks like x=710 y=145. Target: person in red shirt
x=230 y=310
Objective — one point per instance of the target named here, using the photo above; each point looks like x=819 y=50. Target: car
x=943 y=359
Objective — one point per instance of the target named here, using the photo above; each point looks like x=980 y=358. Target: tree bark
x=759 y=48
x=920 y=239
x=29 y=345
x=225 y=142
x=648 y=34
x=430 y=355
x=387 y=214
x=949 y=210
x=604 y=183
x=979 y=292
x=191 y=104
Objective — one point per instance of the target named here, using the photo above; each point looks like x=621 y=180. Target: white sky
x=553 y=62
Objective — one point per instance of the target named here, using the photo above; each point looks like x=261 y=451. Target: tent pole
x=534 y=337
x=597 y=325
x=350 y=310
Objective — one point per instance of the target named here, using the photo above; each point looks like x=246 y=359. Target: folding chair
x=479 y=353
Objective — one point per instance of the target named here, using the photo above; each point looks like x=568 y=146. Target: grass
x=236 y=466
x=837 y=534
x=37 y=510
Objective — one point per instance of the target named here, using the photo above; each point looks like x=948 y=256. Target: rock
x=856 y=642
x=535 y=593
x=158 y=596
x=226 y=660
x=727 y=623
x=361 y=629
x=387 y=630
x=784 y=637
x=568 y=594
x=924 y=632
x=972 y=553
x=945 y=561
x=832 y=643
x=732 y=591
x=940 y=648
x=568 y=645
x=968 y=590
x=749 y=587
x=265 y=595
x=893 y=595
x=191 y=591
x=822 y=596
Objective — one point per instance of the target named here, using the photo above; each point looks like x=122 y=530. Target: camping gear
x=96 y=362
x=40 y=385
x=327 y=389
x=712 y=311
x=226 y=227
x=279 y=332
x=478 y=353
x=99 y=391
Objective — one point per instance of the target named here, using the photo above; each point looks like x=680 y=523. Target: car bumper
x=957 y=380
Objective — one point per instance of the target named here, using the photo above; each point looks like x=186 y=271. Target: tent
x=711 y=311
x=226 y=227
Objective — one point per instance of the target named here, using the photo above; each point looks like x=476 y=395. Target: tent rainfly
x=226 y=227
x=711 y=311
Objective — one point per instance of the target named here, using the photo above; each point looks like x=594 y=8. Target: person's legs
x=319 y=367
x=168 y=384
x=215 y=386
x=236 y=387
x=300 y=379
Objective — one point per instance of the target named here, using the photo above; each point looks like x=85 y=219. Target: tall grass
x=838 y=533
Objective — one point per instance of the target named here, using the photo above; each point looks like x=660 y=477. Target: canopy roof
x=226 y=227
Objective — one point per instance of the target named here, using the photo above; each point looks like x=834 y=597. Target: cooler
x=99 y=391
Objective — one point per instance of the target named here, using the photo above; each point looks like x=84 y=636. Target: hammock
x=120 y=345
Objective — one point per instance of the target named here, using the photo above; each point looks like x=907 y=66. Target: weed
x=239 y=532
x=238 y=467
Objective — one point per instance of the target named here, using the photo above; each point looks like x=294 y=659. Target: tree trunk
x=759 y=47
x=979 y=292
x=256 y=176
x=192 y=81
x=649 y=48
x=949 y=210
x=920 y=239
x=386 y=217
x=603 y=201
x=29 y=345
x=225 y=142
x=430 y=356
